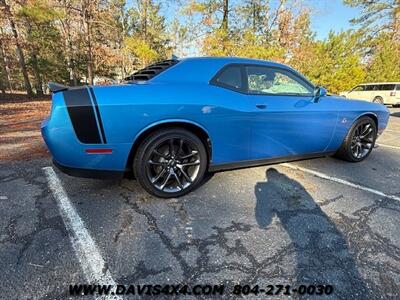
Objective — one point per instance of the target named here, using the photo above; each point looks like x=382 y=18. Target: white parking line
x=338 y=180
x=88 y=254
x=389 y=146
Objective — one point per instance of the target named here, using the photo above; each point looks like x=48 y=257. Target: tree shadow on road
x=323 y=256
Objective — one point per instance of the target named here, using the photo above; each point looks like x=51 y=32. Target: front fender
x=346 y=120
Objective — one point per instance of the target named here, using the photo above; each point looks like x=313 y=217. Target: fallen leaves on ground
x=20 y=119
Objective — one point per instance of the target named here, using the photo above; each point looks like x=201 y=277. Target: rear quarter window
x=229 y=77
x=388 y=87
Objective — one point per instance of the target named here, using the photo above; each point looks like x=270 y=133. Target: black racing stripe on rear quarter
x=81 y=112
x=98 y=115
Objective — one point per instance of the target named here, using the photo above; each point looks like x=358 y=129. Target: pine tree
x=378 y=16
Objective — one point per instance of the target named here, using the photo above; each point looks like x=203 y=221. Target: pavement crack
x=203 y=264
x=141 y=272
x=330 y=200
x=126 y=223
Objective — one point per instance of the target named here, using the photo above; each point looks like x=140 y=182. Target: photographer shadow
x=322 y=254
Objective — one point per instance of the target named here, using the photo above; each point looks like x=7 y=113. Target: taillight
x=393 y=93
x=99 y=151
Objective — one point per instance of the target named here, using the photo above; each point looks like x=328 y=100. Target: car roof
x=202 y=69
x=376 y=83
x=234 y=59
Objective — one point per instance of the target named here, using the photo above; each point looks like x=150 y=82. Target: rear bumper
x=392 y=100
x=89 y=173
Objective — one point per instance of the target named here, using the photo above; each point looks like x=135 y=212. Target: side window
x=264 y=80
x=388 y=87
x=230 y=77
x=358 y=88
x=369 y=87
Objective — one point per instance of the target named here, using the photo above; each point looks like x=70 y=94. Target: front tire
x=170 y=163
x=359 y=141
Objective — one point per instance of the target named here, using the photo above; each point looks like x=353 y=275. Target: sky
x=326 y=15
x=331 y=15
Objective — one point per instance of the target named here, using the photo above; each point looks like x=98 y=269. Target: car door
x=369 y=93
x=287 y=120
x=355 y=93
x=229 y=117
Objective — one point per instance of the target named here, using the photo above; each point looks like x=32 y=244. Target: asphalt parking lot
x=316 y=221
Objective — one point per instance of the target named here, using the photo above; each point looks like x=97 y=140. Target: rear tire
x=359 y=141
x=170 y=163
x=378 y=99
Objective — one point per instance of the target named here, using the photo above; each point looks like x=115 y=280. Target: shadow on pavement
x=395 y=114
x=322 y=254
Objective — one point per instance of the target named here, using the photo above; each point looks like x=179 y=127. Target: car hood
x=356 y=104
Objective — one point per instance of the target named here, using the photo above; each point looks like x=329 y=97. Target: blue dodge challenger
x=175 y=120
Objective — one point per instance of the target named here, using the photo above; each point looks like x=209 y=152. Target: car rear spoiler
x=56 y=87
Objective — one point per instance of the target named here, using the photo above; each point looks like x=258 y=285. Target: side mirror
x=319 y=92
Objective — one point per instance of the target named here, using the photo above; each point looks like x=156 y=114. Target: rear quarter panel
x=66 y=149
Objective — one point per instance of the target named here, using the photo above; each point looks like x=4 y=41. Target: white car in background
x=380 y=92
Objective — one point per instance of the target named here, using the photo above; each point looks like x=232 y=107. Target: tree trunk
x=35 y=67
x=20 y=54
x=70 y=62
x=69 y=53
x=21 y=60
x=121 y=42
x=2 y=88
x=89 y=57
x=4 y=65
x=254 y=9
x=225 y=17
x=396 y=22
x=87 y=16
x=143 y=18
x=36 y=74
x=73 y=78
x=225 y=24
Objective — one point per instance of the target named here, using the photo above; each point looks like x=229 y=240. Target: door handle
x=261 y=106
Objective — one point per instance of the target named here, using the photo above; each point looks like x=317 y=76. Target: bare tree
x=20 y=54
x=4 y=62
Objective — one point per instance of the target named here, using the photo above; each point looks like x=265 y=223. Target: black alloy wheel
x=362 y=140
x=359 y=141
x=170 y=163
